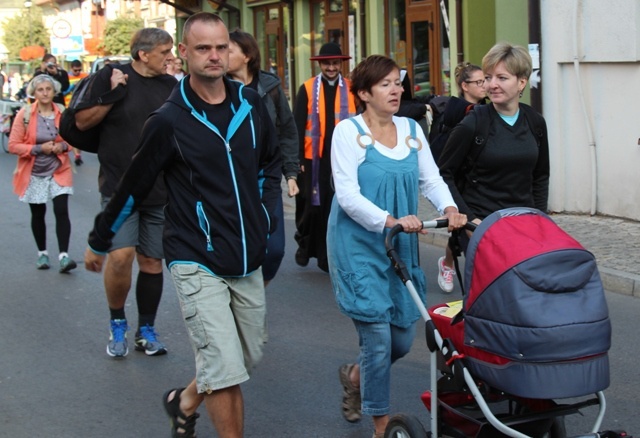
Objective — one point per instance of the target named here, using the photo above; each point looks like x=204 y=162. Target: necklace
x=53 y=131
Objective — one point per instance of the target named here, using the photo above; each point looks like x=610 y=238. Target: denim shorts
x=225 y=323
x=142 y=230
x=381 y=344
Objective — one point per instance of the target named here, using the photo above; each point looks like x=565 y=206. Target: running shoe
x=445 y=276
x=67 y=264
x=117 y=346
x=147 y=341
x=43 y=262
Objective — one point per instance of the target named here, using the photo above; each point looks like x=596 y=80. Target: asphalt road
x=57 y=381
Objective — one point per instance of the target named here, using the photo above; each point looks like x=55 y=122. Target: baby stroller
x=533 y=327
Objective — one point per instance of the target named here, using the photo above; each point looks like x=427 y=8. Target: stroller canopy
x=534 y=299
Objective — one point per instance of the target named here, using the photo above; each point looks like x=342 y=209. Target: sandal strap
x=351 y=399
x=181 y=425
x=188 y=428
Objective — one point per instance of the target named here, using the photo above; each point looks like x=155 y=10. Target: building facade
x=586 y=56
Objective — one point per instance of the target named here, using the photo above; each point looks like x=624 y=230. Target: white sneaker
x=445 y=276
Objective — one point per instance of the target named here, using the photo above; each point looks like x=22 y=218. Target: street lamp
x=27 y=4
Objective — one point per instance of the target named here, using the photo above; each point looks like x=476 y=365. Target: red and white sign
x=61 y=28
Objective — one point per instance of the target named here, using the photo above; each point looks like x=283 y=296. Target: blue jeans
x=381 y=344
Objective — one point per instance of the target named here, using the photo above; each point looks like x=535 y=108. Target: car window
x=100 y=62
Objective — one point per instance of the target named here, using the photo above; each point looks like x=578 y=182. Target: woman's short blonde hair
x=37 y=80
x=516 y=60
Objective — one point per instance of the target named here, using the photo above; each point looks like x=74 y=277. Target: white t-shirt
x=347 y=155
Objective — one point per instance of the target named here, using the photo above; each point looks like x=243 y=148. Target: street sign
x=73 y=45
x=61 y=28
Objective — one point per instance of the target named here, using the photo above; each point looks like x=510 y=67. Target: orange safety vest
x=343 y=109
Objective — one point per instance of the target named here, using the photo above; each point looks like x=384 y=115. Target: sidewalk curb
x=435 y=238
x=612 y=280
x=620 y=282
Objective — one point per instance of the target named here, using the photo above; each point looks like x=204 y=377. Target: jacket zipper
x=204 y=225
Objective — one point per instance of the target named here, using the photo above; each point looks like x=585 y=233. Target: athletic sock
x=148 y=294
x=117 y=313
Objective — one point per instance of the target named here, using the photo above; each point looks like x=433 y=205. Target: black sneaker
x=301 y=258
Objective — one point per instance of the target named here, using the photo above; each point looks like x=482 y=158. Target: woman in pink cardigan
x=44 y=170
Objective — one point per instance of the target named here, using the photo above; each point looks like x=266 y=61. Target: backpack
x=27 y=112
x=438 y=105
x=88 y=140
x=443 y=123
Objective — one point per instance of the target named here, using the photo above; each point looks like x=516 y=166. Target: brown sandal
x=351 y=401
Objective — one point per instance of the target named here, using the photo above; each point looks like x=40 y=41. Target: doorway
x=413 y=41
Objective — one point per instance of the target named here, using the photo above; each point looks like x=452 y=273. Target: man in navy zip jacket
x=217 y=147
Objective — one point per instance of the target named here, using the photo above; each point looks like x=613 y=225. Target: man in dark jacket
x=50 y=67
x=217 y=148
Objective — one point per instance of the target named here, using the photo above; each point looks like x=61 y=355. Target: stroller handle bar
x=436 y=223
x=396 y=261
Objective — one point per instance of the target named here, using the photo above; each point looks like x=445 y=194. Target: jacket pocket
x=204 y=225
x=188 y=287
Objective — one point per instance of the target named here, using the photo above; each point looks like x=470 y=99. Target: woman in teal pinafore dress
x=376 y=186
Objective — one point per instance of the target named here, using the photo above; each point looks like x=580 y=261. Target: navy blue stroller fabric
x=534 y=301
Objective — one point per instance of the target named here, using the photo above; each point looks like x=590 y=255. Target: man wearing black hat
x=322 y=102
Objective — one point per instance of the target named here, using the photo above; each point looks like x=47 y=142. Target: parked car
x=116 y=59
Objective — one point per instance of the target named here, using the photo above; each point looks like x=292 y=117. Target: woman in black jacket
x=512 y=167
x=244 y=66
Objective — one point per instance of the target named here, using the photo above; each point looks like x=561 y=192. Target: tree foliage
x=26 y=29
x=118 y=33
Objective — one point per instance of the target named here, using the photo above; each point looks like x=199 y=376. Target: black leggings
x=63 y=224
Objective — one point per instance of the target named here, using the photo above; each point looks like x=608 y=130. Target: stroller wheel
x=404 y=426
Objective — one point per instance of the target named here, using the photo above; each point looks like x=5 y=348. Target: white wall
x=608 y=47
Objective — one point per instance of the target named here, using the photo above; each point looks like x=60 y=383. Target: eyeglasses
x=77 y=70
x=479 y=82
